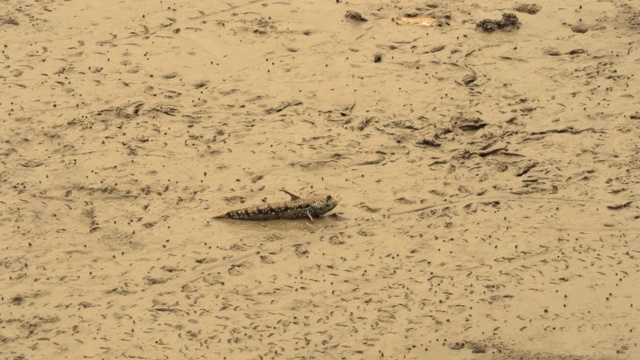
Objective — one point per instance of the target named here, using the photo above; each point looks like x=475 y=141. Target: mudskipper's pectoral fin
x=293 y=196
x=309 y=215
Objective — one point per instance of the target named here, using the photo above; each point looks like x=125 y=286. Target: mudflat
x=486 y=164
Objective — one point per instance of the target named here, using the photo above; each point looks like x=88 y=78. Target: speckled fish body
x=296 y=208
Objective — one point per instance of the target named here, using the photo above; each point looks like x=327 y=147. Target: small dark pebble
x=580 y=28
x=576 y=52
x=428 y=142
x=17 y=300
x=355 y=16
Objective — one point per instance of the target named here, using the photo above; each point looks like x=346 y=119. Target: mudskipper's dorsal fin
x=293 y=197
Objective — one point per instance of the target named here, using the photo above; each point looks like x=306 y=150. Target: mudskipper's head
x=323 y=205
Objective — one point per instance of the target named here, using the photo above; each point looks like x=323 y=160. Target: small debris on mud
x=508 y=22
x=528 y=8
x=416 y=20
